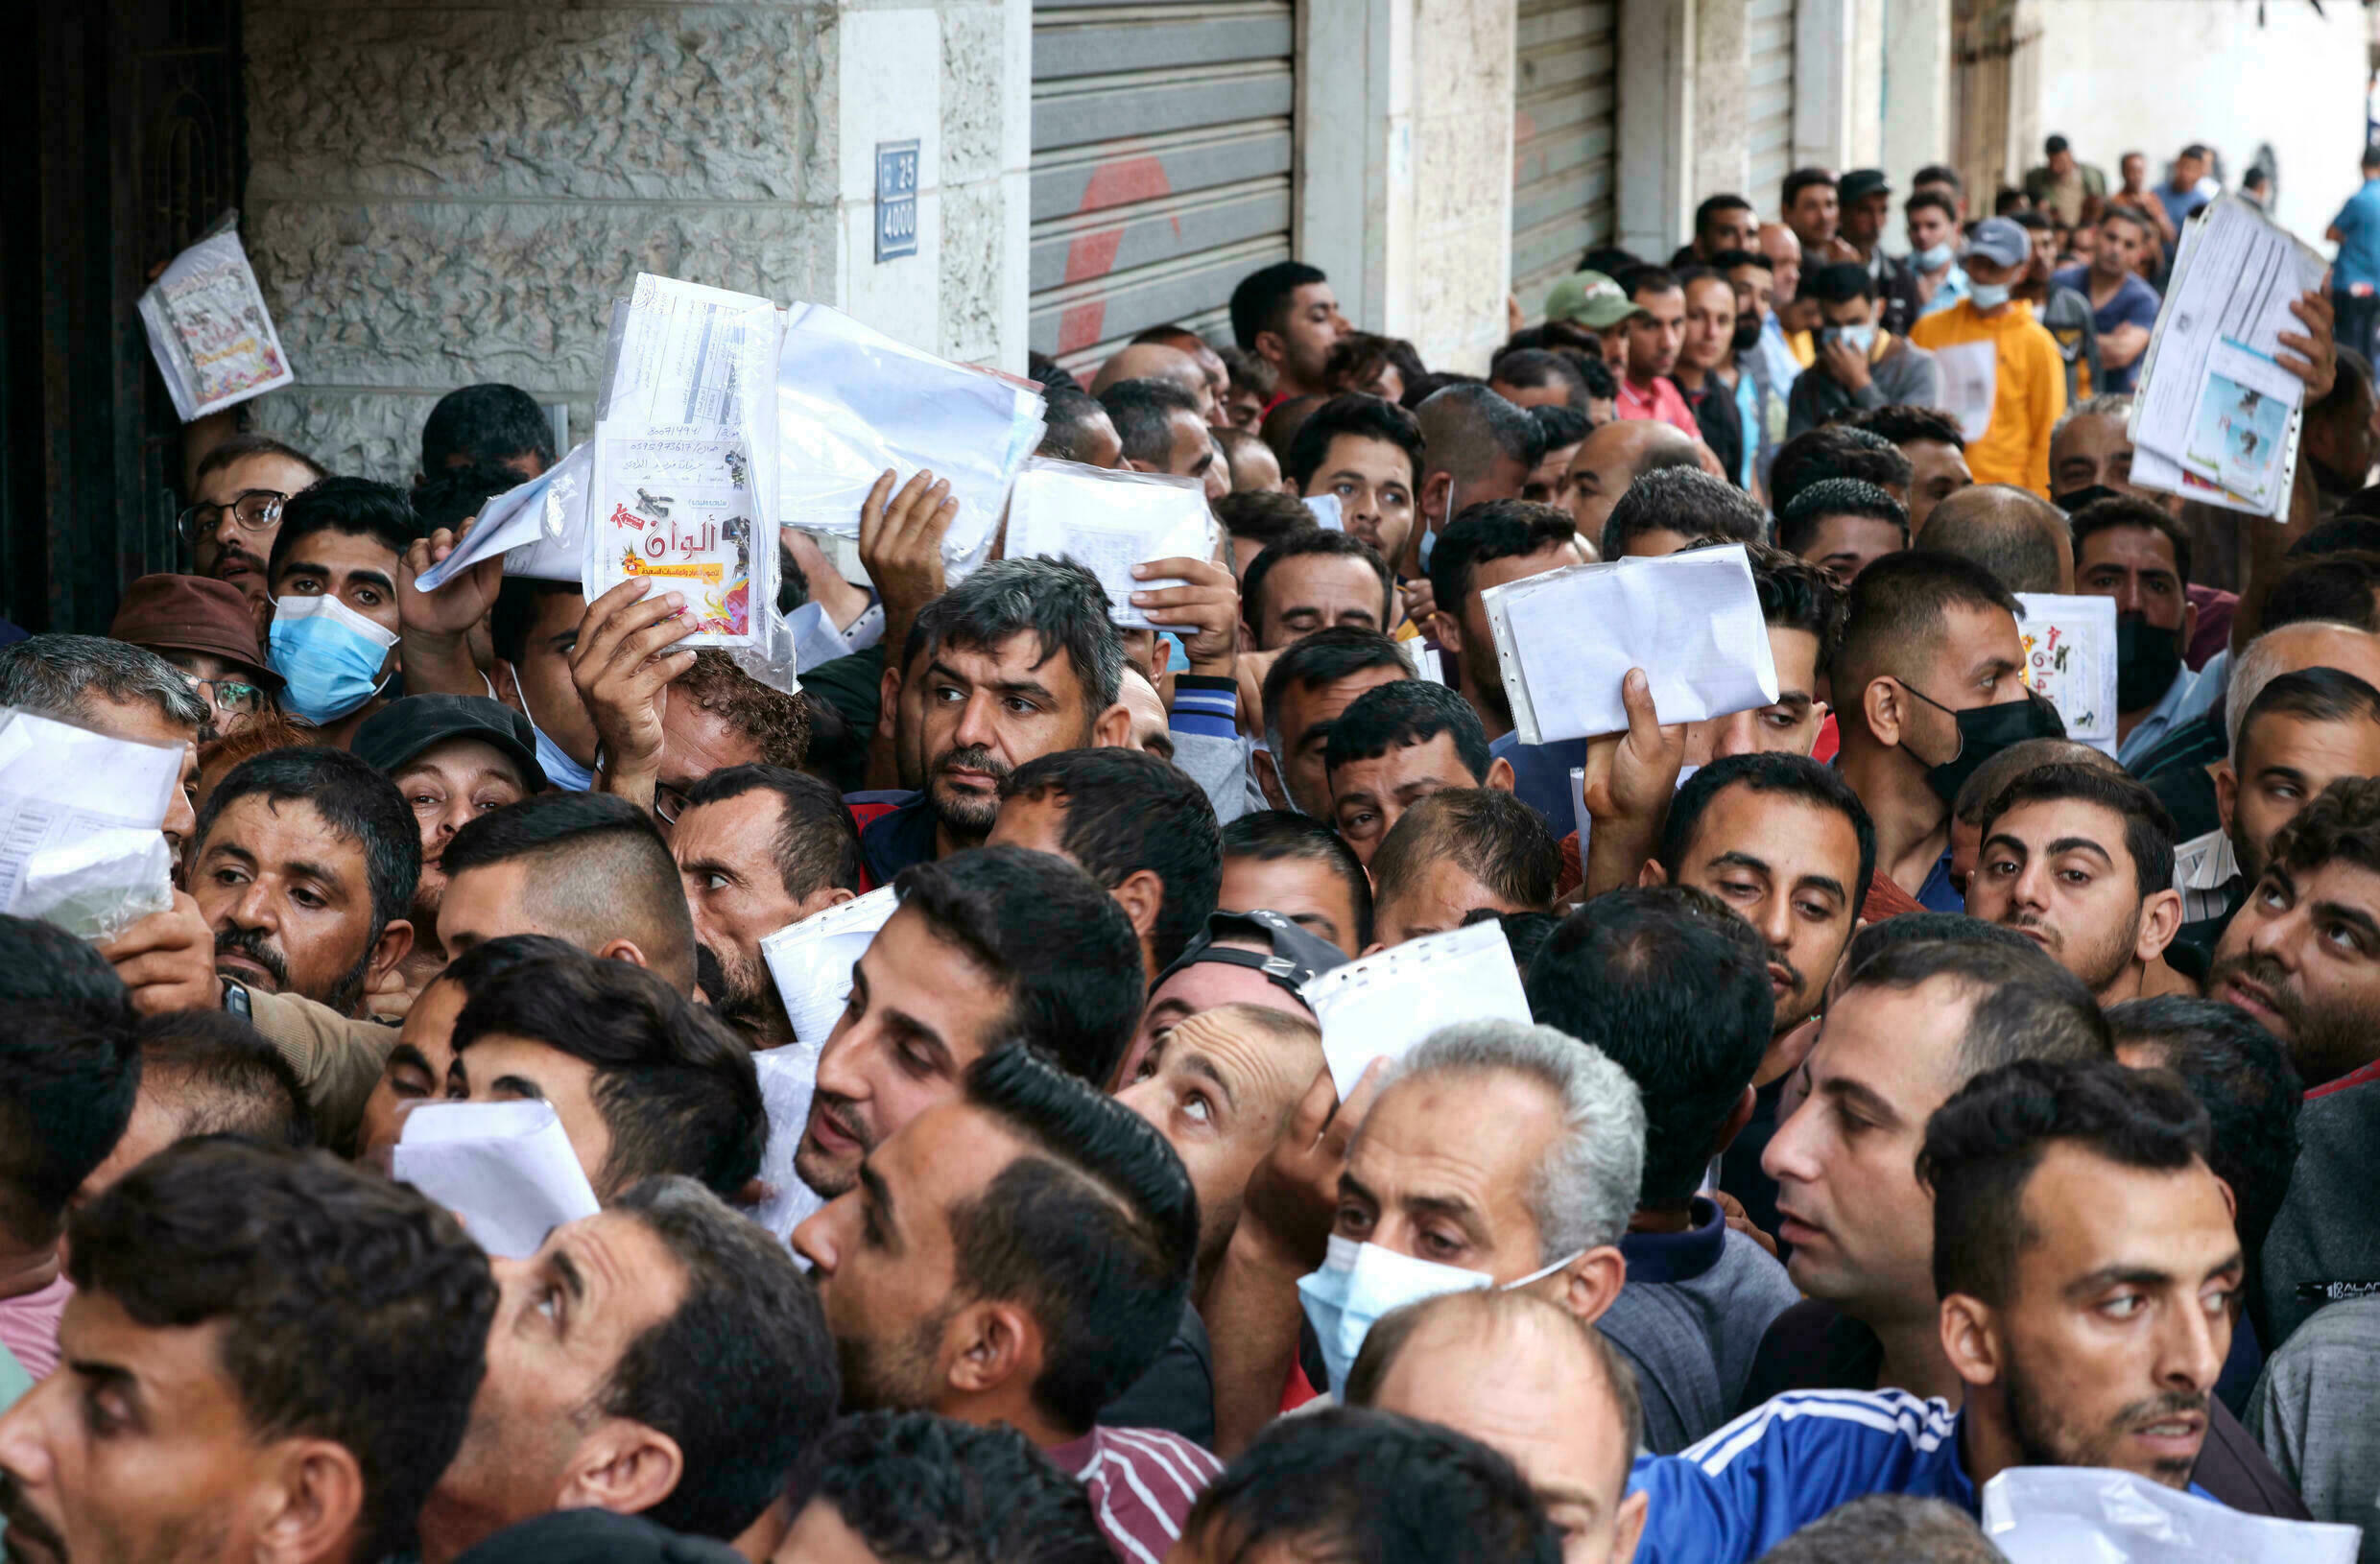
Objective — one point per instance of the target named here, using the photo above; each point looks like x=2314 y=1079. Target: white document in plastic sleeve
x=507 y=1168
x=1108 y=521
x=1379 y=1007
x=1324 y=509
x=811 y=961
x=852 y=402
x=1692 y=621
x=2091 y=1515
x=788 y=1080
x=208 y=328
x=2070 y=661
x=81 y=819
x=540 y=527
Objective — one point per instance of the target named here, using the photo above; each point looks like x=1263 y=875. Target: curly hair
x=777 y=723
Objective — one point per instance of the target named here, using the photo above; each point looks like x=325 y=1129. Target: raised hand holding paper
x=1692 y=621
x=540 y=527
x=507 y=1168
x=1109 y=521
x=1379 y=1007
x=811 y=961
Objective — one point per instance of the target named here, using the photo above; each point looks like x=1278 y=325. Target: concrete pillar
x=1721 y=81
x=1405 y=167
x=1917 y=125
x=1656 y=132
x=455 y=191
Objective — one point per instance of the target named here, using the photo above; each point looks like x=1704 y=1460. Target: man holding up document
x=2001 y=373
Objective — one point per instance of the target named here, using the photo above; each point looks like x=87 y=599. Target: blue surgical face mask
x=561 y=771
x=330 y=654
x=1361 y=1281
x=1861 y=337
x=1933 y=259
x=1989 y=295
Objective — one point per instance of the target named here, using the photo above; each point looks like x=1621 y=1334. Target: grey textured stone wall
x=442 y=193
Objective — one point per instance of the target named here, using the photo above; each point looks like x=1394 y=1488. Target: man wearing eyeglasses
x=204 y=628
x=235 y=510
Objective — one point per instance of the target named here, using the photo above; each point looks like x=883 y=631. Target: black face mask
x=1747 y=333
x=1983 y=731
x=2147 y=658
x=2076 y=499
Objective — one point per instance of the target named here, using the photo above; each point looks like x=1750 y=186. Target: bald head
x=1615 y=456
x=1155 y=361
x=2010 y=532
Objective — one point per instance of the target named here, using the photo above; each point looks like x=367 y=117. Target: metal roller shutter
x=1769 y=101
x=1563 y=128
x=1160 y=164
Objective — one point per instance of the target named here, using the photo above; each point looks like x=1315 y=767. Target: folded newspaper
x=1108 y=521
x=82 y=818
x=208 y=328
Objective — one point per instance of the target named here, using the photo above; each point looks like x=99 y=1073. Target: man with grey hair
x=1476 y=447
x=2014 y=534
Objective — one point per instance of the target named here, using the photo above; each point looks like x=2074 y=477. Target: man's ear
x=1499 y=778
x=1884 y=709
x=312 y=1505
x=1651 y=875
x=1971 y=1340
x=2226 y=792
x=622 y=1466
x=622 y=949
x=2160 y=920
x=1114 y=728
x=1628 y=1526
x=1269 y=779
x=1142 y=896
x=1591 y=1283
x=1272 y=347
x=990 y=1345
x=395 y=944
x=507 y=680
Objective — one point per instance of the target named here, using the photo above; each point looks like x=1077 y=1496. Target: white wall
x=2153 y=75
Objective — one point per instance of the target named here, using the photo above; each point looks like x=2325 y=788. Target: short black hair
x=2148 y=828
x=69 y=1071
x=2243 y=1076
x=1304 y=542
x=2027 y=1007
x=2123 y=510
x=1326 y=656
x=1800 y=180
x=1350 y=413
x=492 y=958
x=1263 y=516
x=1531 y=369
x=750 y=1320
x=914 y=1487
x=1493 y=837
x=1051 y=936
x=1937 y=174
x=1686 y=501
x=1713 y=207
x=1798 y=524
x=1792 y=777
x=1836 y=451
x=1094 y=1228
x=349 y=1308
x=1895 y=610
x=518 y=603
x=1268 y=835
x=1923 y=927
x=674 y=1086
x=1354 y=1483
x=1527 y=933
x=817 y=843
x=598 y=871
x=1838 y=284
x=1684 y=1010
x=1261 y=301
x=218 y=1076
x=449 y=496
x=1493 y=529
x=1406 y=712
x=1935 y=199
x=1142 y=412
x=2342 y=824
x=484 y=423
x=1648 y=279
x=1127 y=811
x=1983 y=1146
x=1557 y=426
x=2314 y=694
x=2342 y=587
x=1057 y=601
x=1067 y=416
x=2355 y=526
x=357 y=802
x=351 y=507
x=1905 y=423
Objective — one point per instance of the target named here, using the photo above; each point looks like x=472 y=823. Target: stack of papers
x=82 y=818
x=208 y=328
x=2070 y=661
x=1379 y=1007
x=1108 y=521
x=540 y=527
x=2216 y=418
x=852 y=402
x=684 y=438
x=811 y=961
x=1691 y=621
x=507 y=1168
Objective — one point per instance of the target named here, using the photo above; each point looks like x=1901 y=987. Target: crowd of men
x=1910 y=1093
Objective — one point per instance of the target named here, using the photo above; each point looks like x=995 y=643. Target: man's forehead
x=2086 y=1212
x=1320 y=703
x=2140 y=548
x=287 y=824
x=1019 y=654
x=2094 y=433
x=1972 y=634
x=177 y=1366
x=2039 y=823
x=1483 y=1125
x=262 y=470
x=2342 y=881
x=2320 y=747
x=622 y=1262
x=1782 y=828
x=1361 y=453
x=338 y=550
x=459 y=759
x=1898 y=1043
x=745 y=820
